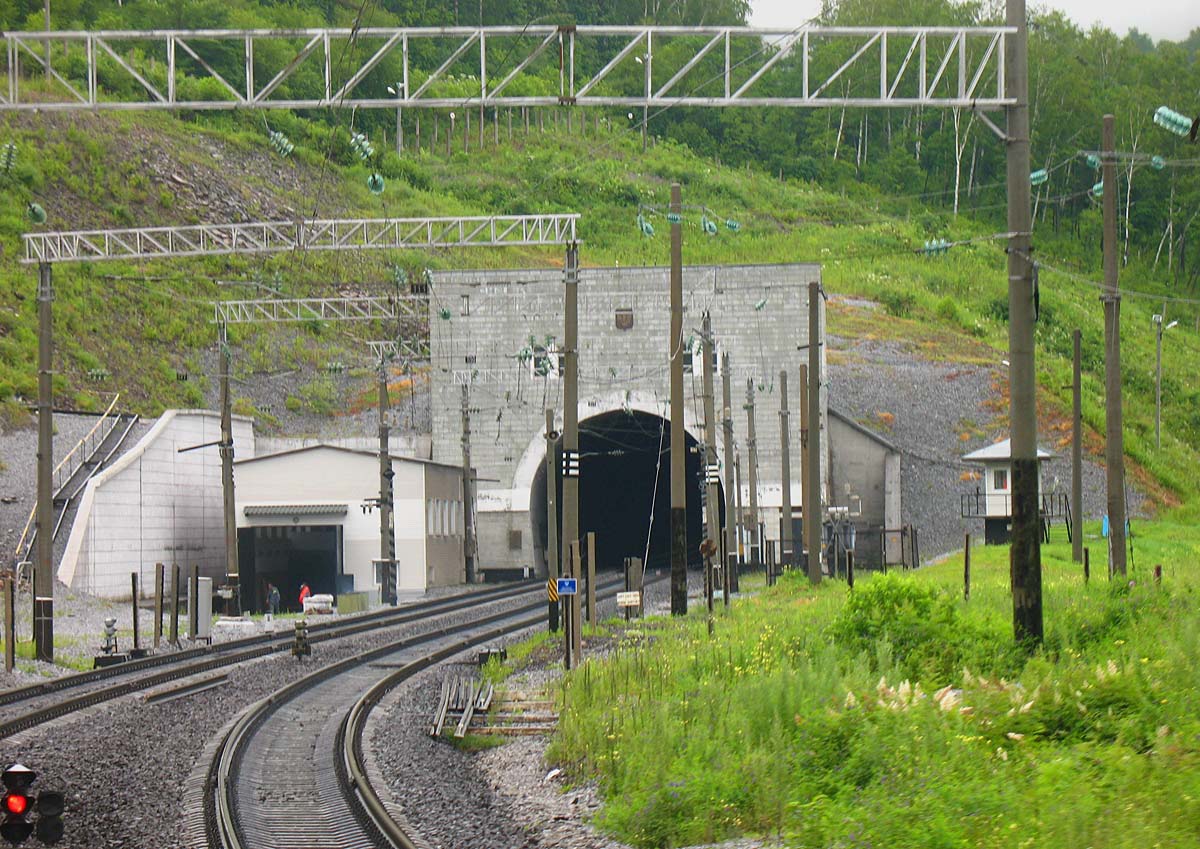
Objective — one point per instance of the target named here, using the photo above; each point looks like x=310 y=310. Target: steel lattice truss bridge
x=505 y=67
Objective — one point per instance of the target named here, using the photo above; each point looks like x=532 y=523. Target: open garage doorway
x=625 y=490
x=287 y=556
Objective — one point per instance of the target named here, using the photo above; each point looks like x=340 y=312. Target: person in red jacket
x=305 y=592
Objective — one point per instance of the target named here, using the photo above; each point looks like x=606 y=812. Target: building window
x=1000 y=479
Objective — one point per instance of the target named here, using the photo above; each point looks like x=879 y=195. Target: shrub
x=899 y=304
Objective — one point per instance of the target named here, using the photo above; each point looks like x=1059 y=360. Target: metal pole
x=1114 y=437
x=740 y=516
x=812 y=458
x=553 y=567
x=712 y=472
x=1026 y=531
x=785 y=533
x=468 y=487
x=805 y=494
x=1077 y=452
x=43 y=575
x=133 y=580
x=226 y=452
x=194 y=607
x=159 y=576
x=729 y=573
x=175 y=586
x=1158 y=378
x=678 y=448
x=591 y=577
x=752 y=463
x=10 y=621
x=570 y=474
x=387 y=545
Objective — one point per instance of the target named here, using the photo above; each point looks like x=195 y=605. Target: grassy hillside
x=143 y=324
x=897 y=714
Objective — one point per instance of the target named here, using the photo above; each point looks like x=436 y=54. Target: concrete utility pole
x=1026 y=524
x=468 y=487
x=785 y=533
x=570 y=471
x=43 y=574
x=812 y=459
x=553 y=567
x=225 y=451
x=387 y=542
x=1114 y=436
x=1077 y=453
x=729 y=573
x=752 y=463
x=46 y=12
x=1159 y=319
x=712 y=472
x=678 y=448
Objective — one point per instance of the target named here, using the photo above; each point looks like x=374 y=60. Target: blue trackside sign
x=568 y=586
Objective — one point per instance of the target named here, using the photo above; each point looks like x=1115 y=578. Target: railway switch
x=301 y=647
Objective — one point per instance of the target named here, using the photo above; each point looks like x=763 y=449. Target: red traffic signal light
x=16 y=804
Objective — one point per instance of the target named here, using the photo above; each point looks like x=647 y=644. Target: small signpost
x=629 y=599
x=568 y=586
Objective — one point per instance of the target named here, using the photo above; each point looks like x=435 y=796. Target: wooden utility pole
x=812 y=458
x=553 y=561
x=43 y=568
x=678 y=446
x=468 y=487
x=1114 y=436
x=387 y=543
x=570 y=471
x=712 y=472
x=752 y=462
x=729 y=572
x=785 y=531
x=225 y=450
x=1026 y=524
x=1077 y=452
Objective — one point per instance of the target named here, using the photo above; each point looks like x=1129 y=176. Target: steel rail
x=183 y=664
x=352 y=764
x=222 y=821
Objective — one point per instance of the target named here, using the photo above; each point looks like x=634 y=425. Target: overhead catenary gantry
x=616 y=66
x=46 y=248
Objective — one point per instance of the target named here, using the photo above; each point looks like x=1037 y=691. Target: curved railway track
x=48 y=700
x=290 y=771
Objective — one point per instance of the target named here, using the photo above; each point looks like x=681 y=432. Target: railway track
x=291 y=771
x=30 y=706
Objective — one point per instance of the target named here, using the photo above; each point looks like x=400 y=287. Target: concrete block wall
x=154 y=505
x=759 y=315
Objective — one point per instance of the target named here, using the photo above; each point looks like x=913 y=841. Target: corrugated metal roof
x=295 y=509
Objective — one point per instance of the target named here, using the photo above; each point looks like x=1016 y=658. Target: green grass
x=899 y=715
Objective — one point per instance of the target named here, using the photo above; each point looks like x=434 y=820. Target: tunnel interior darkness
x=619 y=499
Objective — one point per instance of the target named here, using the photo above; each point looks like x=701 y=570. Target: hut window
x=1000 y=479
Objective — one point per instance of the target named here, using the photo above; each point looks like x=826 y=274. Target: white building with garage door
x=310 y=515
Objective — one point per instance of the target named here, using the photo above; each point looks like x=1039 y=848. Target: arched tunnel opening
x=625 y=490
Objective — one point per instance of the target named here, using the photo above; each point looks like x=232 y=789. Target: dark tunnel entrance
x=619 y=499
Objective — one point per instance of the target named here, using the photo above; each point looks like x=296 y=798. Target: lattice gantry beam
x=316 y=235
x=425 y=68
x=363 y=308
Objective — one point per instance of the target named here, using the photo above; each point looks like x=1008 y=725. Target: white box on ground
x=319 y=603
x=629 y=599
x=204 y=619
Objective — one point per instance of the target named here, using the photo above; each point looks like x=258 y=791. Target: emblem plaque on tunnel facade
x=624 y=318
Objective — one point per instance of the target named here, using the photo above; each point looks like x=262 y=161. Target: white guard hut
x=311 y=515
x=993 y=500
